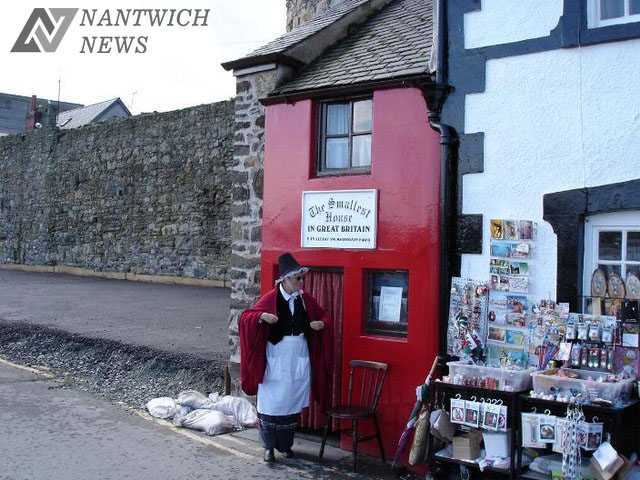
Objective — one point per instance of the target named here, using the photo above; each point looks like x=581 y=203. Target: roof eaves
x=327 y=91
x=247 y=62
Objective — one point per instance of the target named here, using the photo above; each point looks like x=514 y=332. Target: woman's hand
x=268 y=317
x=317 y=325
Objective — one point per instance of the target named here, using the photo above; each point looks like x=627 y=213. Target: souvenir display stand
x=530 y=381
x=446 y=392
x=621 y=425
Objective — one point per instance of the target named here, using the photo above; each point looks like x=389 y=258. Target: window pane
x=633 y=246
x=361 y=155
x=634 y=7
x=610 y=246
x=337 y=153
x=338 y=119
x=362 y=115
x=611 y=9
x=609 y=269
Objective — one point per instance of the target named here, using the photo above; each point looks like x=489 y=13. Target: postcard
x=501 y=249
x=526 y=230
x=520 y=250
x=510 y=230
x=519 y=284
x=517 y=303
x=497 y=229
x=496 y=334
x=515 y=337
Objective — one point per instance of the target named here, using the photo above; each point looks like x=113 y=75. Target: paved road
x=175 y=318
x=49 y=431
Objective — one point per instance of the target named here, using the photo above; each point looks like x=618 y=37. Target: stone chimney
x=301 y=11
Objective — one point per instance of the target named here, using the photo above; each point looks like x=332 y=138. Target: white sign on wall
x=339 y=219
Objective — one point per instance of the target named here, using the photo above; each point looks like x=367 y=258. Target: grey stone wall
x=301 y=11
x=148 y=194
x=246 y=197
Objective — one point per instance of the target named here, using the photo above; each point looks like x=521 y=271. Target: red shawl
x=253 y=347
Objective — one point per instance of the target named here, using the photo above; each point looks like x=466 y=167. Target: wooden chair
x=371 y=375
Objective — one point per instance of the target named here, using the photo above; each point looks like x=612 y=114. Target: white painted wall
x=506 y=21
x=553 y=121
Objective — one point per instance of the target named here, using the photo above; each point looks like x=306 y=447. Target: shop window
x=386 y=302
x=612 y=244
x=345 y=137
x=602 y=13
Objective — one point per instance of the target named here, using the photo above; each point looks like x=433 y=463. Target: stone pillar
x=246 y=198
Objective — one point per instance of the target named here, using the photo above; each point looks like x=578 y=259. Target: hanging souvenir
x=615 y=286
x=547 y=426
x=531 y=431
x=471 y=414
x=457 y=410
x=598 y=283
x=632 y=286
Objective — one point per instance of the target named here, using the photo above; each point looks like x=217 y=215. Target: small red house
x=352 y=189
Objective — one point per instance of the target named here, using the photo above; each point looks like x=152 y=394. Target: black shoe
x=269 y=456
x=289 y=454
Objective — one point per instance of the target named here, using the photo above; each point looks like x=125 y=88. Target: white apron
x=287 y=378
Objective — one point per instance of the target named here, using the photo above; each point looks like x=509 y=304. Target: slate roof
x=84 y=115
x=301 y=32
x=395 y=42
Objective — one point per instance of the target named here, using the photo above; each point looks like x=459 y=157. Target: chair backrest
x=371 y=375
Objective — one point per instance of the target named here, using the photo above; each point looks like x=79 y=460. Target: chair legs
x=327 y=425
x=354 y=433
x=379 y=436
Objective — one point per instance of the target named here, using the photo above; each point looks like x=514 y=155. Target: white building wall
x=552 y=121
x=506 y=21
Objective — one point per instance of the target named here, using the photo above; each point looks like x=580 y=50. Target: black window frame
x=321 y=169
x=370 y=326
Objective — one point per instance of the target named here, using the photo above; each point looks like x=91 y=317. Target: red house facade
x=405 y=174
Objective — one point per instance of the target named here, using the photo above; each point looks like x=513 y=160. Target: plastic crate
x=505 y=378
x=587 y=384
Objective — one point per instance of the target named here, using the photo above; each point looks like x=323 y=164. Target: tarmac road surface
x=49 y=431
x=174 y=318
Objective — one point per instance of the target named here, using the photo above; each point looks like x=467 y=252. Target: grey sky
x=180 y=68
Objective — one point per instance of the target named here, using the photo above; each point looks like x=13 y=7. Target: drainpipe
x=435 y=95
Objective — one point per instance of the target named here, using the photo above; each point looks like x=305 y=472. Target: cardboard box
x=608 y=474
x=467 y=446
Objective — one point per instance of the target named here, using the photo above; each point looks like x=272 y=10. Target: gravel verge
x=119 y=372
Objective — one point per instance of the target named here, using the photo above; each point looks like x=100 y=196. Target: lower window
x=386 y=302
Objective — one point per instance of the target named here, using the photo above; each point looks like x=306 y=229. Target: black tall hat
x=289 y=267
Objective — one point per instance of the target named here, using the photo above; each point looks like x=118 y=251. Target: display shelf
x=470 y=464
x=622 y=423
x=446 y=391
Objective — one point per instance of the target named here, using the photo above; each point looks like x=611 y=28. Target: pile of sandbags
x=213 y=415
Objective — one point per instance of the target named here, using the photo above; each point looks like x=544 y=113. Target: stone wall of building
x=301 y=11
x=148 y=195
x=246 y=207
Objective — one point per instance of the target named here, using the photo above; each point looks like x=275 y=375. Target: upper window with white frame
x=345 y=137
x=612 y=244
x=603 y=13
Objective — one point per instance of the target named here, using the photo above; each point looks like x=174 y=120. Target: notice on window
x=390 y=304
x=339 y=219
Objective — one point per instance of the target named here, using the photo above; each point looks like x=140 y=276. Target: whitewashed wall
x=506 y=21
x=553 y=121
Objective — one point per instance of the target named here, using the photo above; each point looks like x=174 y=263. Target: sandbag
x=194 y=400
x=184 y=409
x=240 y=408
x=211 y=422
x=162 y=407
